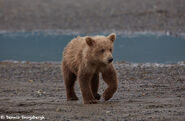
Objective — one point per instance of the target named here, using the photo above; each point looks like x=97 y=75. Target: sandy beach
x=146 y=92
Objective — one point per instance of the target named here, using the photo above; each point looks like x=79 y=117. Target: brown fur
x=83 y=59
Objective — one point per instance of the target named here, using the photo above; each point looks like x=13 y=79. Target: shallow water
x=41 y=46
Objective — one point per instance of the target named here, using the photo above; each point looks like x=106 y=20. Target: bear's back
x=72 y=54
x=74 y=46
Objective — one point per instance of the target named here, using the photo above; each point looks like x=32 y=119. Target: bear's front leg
x=110 y=77
x=85 y=86
x=95 y=86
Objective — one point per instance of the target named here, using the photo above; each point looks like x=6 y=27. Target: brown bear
x=83 y=59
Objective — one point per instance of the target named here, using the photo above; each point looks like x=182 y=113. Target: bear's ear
x=112 y=37
x=90 y=41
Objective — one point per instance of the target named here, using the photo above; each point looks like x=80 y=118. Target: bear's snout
x=110 y=59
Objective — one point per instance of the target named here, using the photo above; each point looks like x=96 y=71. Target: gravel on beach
x=146 y=92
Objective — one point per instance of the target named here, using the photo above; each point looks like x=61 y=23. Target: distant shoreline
x=93 y=16
x=73 y=32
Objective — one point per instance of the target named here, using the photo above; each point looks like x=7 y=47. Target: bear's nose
x=110 y=59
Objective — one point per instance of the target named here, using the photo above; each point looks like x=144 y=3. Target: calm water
x=38 y=46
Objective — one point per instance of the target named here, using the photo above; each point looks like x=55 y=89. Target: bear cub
x=83 y=59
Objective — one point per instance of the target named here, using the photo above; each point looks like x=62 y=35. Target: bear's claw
x=90 y=102
x=106 y=96
x=72 y=98
x=97 y=96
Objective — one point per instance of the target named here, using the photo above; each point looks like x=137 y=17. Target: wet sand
x=146 y=92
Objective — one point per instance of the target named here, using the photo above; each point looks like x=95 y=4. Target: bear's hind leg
x=69 y=81
x=95 y=86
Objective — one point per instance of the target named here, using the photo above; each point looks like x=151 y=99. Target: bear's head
x=100 y=48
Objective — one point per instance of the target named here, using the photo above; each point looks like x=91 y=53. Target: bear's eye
x=102 y=50
x=111 y=50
